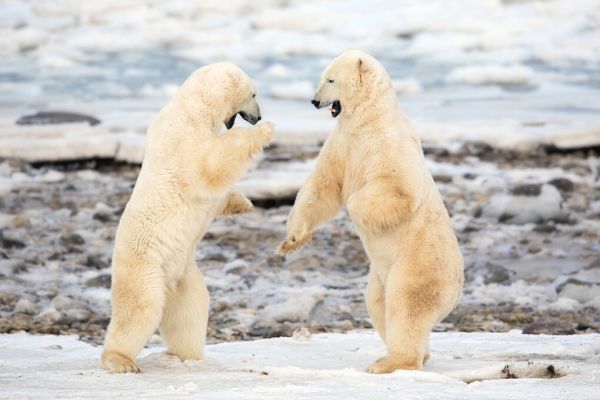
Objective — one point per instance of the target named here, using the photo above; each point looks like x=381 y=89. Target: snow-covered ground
x=324 y=366
x=511 y=73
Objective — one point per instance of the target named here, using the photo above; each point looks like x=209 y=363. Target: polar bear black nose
x=315 y=103
x=258 y=118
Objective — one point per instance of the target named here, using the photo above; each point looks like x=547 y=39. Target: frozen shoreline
x=527 y=223
x=513 y=74
x=320 y=366
x=121 y=134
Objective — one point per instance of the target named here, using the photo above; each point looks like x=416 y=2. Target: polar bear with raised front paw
x=185 y=181
x=373 y=164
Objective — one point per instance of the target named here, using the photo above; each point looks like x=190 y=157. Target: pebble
x=62 y=303
x=103 y=280
x=75 y=315
x=25 y=306
x=578 y=290
x=301 y=335
x=7 y=299
x=49 y=315
x=72 y=239
x=562 y=184
x=549 y=327
x=12 y=267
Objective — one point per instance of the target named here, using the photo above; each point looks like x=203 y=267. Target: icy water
x=464 y=69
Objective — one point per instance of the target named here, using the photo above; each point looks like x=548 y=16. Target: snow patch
x=492 y=75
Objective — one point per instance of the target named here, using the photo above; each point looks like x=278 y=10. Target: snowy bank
x=328 y=366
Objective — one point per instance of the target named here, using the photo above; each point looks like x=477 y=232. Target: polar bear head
x=221 y=91
x=352 y=79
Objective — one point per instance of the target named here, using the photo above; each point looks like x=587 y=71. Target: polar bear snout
x=336 y=106
x=253 y=119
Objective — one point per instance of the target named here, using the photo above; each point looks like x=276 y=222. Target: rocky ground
x=528 y=224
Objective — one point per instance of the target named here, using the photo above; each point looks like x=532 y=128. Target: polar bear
x=373 y=164
x=185 y=181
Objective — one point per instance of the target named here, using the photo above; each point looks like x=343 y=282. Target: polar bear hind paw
x=386 y=365
x=119 y=363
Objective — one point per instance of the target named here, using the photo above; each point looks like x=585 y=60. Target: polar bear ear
x=362 y=70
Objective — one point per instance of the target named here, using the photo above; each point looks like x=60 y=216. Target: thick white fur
x=185 y=181
x=373 y=164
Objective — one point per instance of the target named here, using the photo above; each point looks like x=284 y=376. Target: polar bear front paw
x=119 y=363
x=293 y=242
x=265 y=133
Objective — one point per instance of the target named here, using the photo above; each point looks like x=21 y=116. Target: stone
x=49 y=315
x=527 y=190
x=579 y=290
x=103 y=280
x=75 y=315
x=20 y=221
x=562 y=184
x=7 y=299
x=72 y=239
x=62 y=303
x=219 y=257
x=549 y=327
x=25 y=306
x=12 y=266
x=96 y=261
x=10 y=240
x=56 y=117
x=301 y=335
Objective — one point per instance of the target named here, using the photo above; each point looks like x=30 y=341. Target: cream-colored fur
x=185 y=181
x=373 y=164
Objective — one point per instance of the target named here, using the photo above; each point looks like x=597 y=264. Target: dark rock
x=7 y=299
x=549 y=327
x=562 y=184
x=505 y=217
x=72 y=239
x=477 y=148
x=103 y=280
x=497 y=274
x=443 y=178
x=545 y=228
x=582 y=326
x=56 y=117
x=9 y=240
x=102 y=216
x=214 y=257
x=96 y=261
x=527 y=190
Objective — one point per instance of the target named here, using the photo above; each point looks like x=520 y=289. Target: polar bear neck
x=372 y=106
x=203 y=112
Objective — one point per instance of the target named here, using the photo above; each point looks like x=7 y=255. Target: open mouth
x=229 y=123
x=336 y=108
x=247 y=117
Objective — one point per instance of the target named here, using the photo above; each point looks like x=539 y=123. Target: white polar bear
x=373 y=164
x=185 y=181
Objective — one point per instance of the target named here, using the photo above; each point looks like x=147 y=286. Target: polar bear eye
x=330 y=80
x=254 y=95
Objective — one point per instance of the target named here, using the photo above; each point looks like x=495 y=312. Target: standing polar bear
x=373 y=164
x=185 y=181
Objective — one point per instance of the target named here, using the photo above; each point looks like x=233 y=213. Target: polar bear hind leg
x=411 y=312
x=137 y=310
x=183 y=326
x=376 y=303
